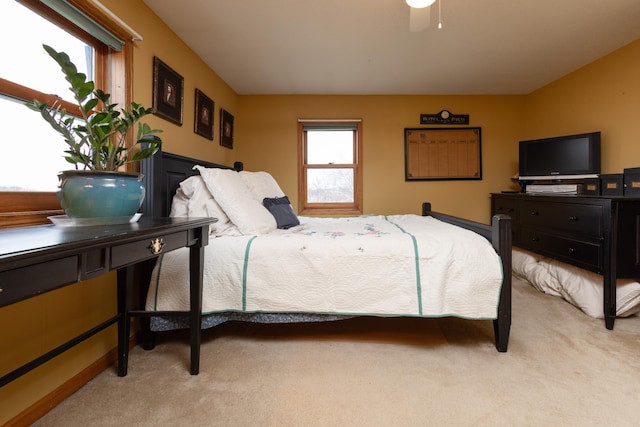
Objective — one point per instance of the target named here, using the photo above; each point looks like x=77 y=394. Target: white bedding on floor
x=369 y=265
x=580 y=287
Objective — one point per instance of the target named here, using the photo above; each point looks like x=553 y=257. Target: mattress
x=398 y=265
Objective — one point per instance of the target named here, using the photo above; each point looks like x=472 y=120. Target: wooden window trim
x=23 y=93
x=354 y=208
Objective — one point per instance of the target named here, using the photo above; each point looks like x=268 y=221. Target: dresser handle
x=535 y=239
x=573 y=218
x=572 y=251
x=156 y=246
x=534 y=213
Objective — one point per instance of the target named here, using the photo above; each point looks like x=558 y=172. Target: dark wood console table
x=597 y=233
x=38 y=259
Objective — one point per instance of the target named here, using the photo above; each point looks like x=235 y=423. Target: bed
x=356 y=270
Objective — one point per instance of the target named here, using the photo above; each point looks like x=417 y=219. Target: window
x=330 y=167
x=31 y=153
x=36 y=75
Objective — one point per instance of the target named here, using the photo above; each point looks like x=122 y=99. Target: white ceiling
x=365 y=47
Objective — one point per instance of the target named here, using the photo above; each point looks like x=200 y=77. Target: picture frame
x=203 y=120
x=168 y=92
x=443 y=154
x=226 y=129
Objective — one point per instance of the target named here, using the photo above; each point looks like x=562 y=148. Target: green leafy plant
x=98 y=140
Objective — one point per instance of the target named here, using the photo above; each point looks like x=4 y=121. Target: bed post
x=501 y=240
x=499 y=234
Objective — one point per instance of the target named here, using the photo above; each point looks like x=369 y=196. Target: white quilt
x=406 y=265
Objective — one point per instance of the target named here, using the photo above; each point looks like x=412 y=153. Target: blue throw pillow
x=280 y=208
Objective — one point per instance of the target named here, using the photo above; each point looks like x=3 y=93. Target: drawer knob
x=534 y=213
x=573 y=218
x=572 y=251
x=156 y=245
x=535 y=239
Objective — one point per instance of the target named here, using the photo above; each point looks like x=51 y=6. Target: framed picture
x=203 y=122
x=442 y=153
x=226 y=129
x=167 y=92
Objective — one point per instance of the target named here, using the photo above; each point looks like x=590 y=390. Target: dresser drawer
x=131 y=253
x=568 y=218
x=577 y=252
x=505 y=206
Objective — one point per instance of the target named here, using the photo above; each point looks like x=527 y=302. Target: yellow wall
x=33 y=327
x=162 y=42
x=602 y=96
x=267 y=140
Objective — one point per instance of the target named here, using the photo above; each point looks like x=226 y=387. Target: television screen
x=572 y=156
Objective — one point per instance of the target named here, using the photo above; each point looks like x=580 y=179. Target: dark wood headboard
x=163 y=173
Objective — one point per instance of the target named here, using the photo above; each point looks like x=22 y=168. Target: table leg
x=125 y=287
x=196 y=260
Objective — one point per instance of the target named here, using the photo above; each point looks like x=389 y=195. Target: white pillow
x=193 y=199
x=179 y=204
x=233 y=196
x=261 y=185
x=192 y=185
x=198 y=195
x=224 y=226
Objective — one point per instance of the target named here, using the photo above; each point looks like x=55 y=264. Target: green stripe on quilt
x=417 y=263
x=244 y=273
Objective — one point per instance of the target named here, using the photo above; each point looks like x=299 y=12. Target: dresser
x=599 y=234
x=39 y=259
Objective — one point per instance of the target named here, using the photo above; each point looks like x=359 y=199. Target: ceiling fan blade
x=419 y=19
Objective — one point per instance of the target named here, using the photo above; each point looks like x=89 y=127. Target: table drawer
x=131 y=253
x=577 y=252
x=572 y=218
x=26 y=282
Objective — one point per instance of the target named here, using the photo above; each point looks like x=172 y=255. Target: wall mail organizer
x=442 y=153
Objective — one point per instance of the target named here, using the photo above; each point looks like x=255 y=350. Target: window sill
x=329 y=212
x=19 y=209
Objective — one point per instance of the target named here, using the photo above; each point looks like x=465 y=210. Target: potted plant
x=97 y=146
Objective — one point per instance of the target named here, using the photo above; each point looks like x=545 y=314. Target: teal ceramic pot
x=94 y=194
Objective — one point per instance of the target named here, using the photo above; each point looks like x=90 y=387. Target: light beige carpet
x=562 y=369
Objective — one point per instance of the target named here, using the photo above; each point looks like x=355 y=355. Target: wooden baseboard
x=50 y=401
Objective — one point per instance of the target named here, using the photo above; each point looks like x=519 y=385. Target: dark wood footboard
x=499 y=234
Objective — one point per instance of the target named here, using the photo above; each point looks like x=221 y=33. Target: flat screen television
x=560 y=157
